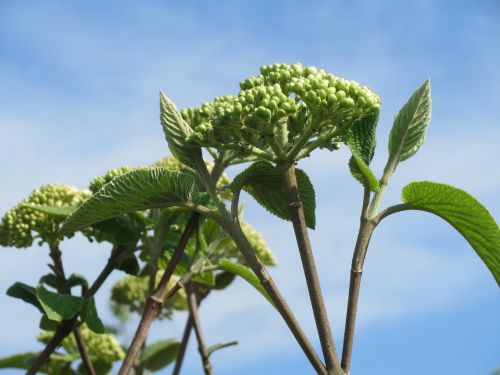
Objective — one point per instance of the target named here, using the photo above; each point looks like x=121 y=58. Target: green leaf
x=361 y=140
x=119 y=230
x=58 y=307
x=159 y=354
x=56 y=365
x=22 y=361
x=77 y=279
x=47 y=325
x=468 y=216
x=246 y=273
x=130 y=265
x=56 y=211
x=220 y=346
x=223 y=280
x=176 y=132
x=90 y=317
x=137 y=190
x=363 y=173
x=266 y=184
x=26 y=293
x=410 y=125
x=53 y=281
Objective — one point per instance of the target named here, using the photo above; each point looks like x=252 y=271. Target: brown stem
x=202 y=348
x=56 y=255
x=183 y=347
x=310 y=272
x=234 y=229
x=365 y=232
x=155 y=301
x=83 y=351
x=67 y=326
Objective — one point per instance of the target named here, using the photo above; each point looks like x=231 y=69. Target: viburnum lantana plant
x=176 y=226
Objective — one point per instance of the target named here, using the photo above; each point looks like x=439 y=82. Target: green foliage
x=26 y=293
x=266 y=184
x=362 y=140
x=468 y=216
x=177 y=131
x=159 y=354
x=245 y=273
x=138 y=190
x=58 y=307
x=102 y=180
x=410 y=125
x=90 y=317
x=41 y=216
x=58 y=364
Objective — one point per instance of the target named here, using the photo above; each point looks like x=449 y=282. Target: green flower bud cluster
x=21 y=225
x=133 y=291
x=259 y=245
x=105 y=347
x=281 y=105
x=100 y=181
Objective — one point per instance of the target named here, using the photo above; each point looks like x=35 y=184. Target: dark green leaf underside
x=265 y=183
x=58 y=307
x=159 y=354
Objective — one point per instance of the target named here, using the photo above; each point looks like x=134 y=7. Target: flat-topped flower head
x=23 y=224
x=283 y=113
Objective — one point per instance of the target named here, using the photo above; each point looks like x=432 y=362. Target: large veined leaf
x=362 y=141
x=410 y=125
x=464 y=213
x=137 y=190
x=176 y=132
x=159 y=354
x=266 y=184
x=58 y=307
x=245 y=273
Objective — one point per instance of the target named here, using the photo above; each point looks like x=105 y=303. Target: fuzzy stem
x=364 y=234
x=235 y=231
x=233 y=228
x=67 y=326
x=155 y=301
x=310 y=271
x=184 y=343
x=202 y=348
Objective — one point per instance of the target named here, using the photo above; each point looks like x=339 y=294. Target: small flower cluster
x=22 y=224
x=100 y=181
x=133 y=291
x=104 y=347
x=276 y=108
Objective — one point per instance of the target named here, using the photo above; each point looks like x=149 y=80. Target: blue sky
x=79 y=89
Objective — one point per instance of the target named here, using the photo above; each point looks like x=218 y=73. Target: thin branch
x=364 y=234
x=183 y=347
x=310 y=271
x=67 y=326
x=235 y=231
x=233 y=228
x=202 y=348
x=83 y=352
x=155 y=301
x=56 y=255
